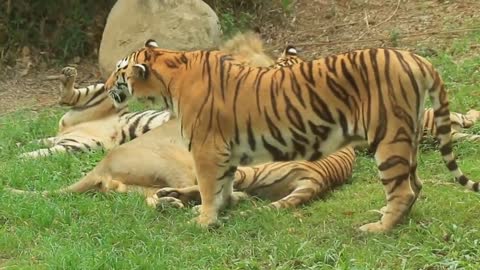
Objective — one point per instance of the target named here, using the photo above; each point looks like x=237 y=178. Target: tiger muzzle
x=119 y=94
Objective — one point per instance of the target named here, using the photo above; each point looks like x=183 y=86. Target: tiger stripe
x=290 y=184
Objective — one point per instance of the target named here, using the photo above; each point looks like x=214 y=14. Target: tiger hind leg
x=305 y=191
x=415 y=181
x=64 y=145
x=44 y=152
x=49 y=142
x=460 y=136
x=395 y=170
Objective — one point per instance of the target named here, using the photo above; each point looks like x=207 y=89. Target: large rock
x=174 y=24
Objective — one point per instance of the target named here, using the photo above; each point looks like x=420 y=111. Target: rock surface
x=174 y=24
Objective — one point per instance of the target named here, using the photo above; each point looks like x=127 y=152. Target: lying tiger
x=93 y=122
x=158 y=159
x=233 y=115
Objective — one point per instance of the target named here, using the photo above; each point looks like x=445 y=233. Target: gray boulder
x=174 y=24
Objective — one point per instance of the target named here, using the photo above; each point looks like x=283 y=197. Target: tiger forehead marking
x=304 y=111
x=122 y=63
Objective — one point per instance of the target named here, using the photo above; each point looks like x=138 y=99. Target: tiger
x=289 y=56
x=234 y=115
x=459 y=122
x=159 y=160
x=93 y=122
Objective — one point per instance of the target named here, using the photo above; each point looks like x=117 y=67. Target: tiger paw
x=196 y=209
x=474 y=115
x=207 y=222
x=168 y=202
x=69 y=72
x=375 y=227
x=168 y=192
x=236 y=197
x=152 y=201
x=382 y=210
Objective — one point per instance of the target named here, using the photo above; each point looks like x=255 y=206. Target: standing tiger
x=235 y=115
x=94 y=123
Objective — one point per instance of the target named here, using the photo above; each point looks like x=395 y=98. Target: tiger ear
x=140 y=71
x=290 y=51
x=151 y=43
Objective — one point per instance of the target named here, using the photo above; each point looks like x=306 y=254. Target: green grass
x=117 y=231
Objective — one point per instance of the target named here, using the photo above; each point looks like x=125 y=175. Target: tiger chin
x=234 y=115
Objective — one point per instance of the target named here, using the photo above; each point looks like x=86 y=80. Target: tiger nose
x=119 y=97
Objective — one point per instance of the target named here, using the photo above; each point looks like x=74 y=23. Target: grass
x=115 y=231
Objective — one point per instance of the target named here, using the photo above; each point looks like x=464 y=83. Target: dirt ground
x=33 y=90
x=321 y=27
x=315 y=27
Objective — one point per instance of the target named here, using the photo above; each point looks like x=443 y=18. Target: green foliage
x=239 y=15
x=287 y=6
x=394 y=37
x=232 y=24
x=118 y=231
x=63 y=27
x=236 y=15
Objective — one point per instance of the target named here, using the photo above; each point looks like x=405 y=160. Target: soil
x=22 y=88
x=315 y=27
x=321 y=27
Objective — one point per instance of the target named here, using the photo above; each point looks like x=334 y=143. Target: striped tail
x=439 y=99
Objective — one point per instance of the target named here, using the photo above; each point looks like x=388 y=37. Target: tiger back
x=459 y=121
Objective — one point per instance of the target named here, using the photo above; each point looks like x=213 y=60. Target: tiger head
x=141 y=73
x=288 y=57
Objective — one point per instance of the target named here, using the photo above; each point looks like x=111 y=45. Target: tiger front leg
x=67 y=86
x=215 y=182
x=393 y=161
